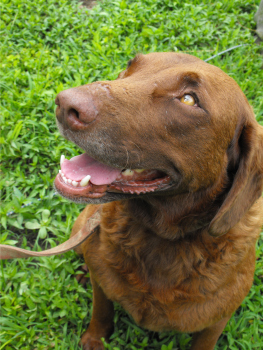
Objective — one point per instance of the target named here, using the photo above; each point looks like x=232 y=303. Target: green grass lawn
x=51 y=45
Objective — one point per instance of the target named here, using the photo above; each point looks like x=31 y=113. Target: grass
x=49 y=46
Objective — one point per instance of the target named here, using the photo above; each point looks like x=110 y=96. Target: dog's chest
x=158 y=287
x=162 y=284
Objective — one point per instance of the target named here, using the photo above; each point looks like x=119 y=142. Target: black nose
x=75 y=108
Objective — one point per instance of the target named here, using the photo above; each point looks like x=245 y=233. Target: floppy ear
x=247 y=184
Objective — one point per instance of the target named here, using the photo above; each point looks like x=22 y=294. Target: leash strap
x=9 y=252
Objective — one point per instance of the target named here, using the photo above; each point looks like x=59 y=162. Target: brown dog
x=174 y=146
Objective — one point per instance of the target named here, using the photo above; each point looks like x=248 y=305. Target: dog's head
x=170 y=125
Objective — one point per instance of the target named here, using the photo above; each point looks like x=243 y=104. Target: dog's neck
x=173 y=217
x=177 y=215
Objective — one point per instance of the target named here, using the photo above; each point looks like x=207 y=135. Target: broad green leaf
x=32 y=225
x=42 y=233
x=45 y=215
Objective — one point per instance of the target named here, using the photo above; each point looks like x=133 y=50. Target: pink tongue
x=80 y=166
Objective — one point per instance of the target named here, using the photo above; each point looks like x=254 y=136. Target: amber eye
x=188 y=100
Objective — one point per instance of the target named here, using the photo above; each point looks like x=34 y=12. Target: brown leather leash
x=9 y=252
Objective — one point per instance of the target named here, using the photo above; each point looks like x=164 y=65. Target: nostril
x=73 y=113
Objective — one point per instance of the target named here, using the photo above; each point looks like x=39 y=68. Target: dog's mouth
x=83 y=176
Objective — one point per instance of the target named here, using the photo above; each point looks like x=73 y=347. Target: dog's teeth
x=139 y=170
x=128 y=172
x=69 y=181
x=75 y=183
x=85 y=181
x=62 y=158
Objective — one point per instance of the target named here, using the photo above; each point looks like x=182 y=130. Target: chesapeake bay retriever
x=174 y=153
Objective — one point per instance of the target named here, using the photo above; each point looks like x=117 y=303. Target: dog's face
x=169 y=124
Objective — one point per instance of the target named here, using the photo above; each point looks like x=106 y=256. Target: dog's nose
x=75 y=108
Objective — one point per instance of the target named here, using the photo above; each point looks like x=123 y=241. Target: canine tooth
x=139 y=170
x=75 y=183
x=85 y=181
x=62 y=158
x=128 y=172
x=60 y=171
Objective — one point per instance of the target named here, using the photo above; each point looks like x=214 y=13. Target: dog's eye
x=188 y=100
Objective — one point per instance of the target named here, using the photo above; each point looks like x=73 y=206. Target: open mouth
x=83 y=176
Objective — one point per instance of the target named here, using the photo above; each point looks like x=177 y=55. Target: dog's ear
x=246 y=155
